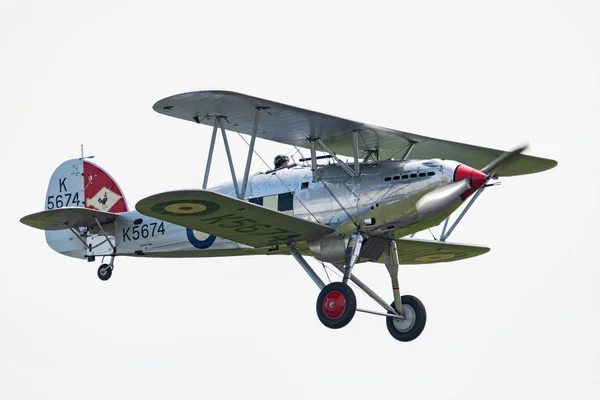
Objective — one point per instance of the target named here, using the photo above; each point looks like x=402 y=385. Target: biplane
x=365 y=209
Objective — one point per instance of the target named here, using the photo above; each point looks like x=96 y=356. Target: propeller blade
x=504 y=158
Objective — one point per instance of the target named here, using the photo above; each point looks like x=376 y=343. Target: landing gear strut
x=336 y=305
x=411 y=316
x=105 y=270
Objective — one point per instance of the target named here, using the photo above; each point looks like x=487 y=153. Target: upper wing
x=292 y=125
x=229 y=218
x=68 y=217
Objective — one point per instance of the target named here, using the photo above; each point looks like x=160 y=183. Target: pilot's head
x=281 y=161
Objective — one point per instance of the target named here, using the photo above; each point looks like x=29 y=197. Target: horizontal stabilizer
x=414 y=251
x=68 y=217
x=229 y=218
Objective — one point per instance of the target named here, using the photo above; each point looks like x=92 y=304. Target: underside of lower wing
x=413 y=251
x=229 y=218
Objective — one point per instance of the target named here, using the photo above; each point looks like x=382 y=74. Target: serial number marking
x=143 y=231
x=62 y=200
x=251 y=227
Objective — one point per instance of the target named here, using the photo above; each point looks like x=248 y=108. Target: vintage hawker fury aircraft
x=340 y=213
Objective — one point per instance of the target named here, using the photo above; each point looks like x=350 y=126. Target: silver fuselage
x=382 y=200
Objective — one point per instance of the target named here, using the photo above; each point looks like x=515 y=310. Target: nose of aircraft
x=478 y=178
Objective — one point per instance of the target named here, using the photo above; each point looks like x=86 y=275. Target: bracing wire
x=340 y=275
x=432 y=234
x=286 y=134
x=340 y=204
x=281 y=180
x=399 y=150
x=326 y=273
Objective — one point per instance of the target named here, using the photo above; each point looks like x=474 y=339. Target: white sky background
x=519 y=322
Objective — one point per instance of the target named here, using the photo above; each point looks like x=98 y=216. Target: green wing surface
x=64 y=218
x=229 y=218
x=414 y=251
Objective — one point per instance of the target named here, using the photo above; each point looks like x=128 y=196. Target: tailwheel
x=336 y=305
x=105 y=272
x=413 y=322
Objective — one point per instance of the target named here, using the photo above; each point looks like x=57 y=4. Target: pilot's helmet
x=280 y=160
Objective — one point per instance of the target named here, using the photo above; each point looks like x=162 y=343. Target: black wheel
x=336 y=305
x=412 y=325
x=104 y=272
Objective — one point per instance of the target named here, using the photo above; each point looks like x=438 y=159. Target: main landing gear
x=336 y=305
x=413 y=322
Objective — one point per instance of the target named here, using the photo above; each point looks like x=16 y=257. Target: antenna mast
x=82 y=156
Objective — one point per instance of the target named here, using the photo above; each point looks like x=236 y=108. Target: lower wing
x=229 y=218
x=413 y=251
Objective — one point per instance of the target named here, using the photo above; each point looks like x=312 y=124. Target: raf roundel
x=435 y=257
x=185 y=208
x=189 y=207
x=200 y=240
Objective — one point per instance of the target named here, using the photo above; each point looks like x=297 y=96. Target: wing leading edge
x=414 y=251
x=293 y=126
x=229 y=218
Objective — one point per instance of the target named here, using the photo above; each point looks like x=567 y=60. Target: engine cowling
x=331 y=250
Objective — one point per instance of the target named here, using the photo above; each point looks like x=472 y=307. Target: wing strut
x=226 y=143
x=407 y=152
x=355 y=148
x=313 y=159
x=219 y=124
x=251 y=150
x=210 y=153
x=445 y=234
x=372 y=154
x=346 y=168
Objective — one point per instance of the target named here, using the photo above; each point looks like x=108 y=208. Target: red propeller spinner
x=477 y=178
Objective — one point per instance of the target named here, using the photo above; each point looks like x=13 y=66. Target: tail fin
x=80 y=183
